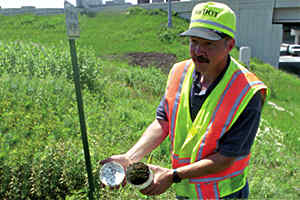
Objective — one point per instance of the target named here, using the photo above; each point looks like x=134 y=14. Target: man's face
x=209 y=53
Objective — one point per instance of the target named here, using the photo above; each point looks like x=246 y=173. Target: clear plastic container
x=112 y=174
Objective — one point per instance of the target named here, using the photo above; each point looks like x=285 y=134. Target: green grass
x=41 y=148
x=108 y=33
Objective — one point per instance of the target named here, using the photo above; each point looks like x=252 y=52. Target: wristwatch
x=176 y=178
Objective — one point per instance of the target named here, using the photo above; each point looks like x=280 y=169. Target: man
x=210 y=111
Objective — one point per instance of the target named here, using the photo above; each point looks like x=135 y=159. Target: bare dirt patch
x=164 y=61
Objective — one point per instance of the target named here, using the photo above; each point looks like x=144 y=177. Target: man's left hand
x=163 y=179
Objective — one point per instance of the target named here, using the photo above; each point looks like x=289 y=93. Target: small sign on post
x=71 y=20
x=73 y=33
x=245 y=55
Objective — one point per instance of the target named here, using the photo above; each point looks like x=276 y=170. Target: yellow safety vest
x=193 y=141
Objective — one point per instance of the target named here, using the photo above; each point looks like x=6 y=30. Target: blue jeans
x=241 y=194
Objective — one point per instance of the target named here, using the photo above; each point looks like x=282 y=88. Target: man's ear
x=230 y=43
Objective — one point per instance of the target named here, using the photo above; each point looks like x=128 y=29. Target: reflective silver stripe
x=235 y=75
x=241 y=158
x=214 y=24
x=216 y=191
x=199 y=193
x=181 y=160
x=233 y=109
x=199 y=155
x=201 y=180
x=177 y=101
x=167 y=108
x=236 y=104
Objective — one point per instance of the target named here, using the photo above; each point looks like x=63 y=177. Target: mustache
x=202 y=59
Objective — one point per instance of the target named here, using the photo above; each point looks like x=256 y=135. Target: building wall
x=115 y=2
x=79 y=4
x=143 y=1
x=287 y=15
x=157 y=1
x=256 y=30
x=93 y=2
x=254 y=25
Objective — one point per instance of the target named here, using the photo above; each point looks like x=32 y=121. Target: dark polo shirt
x=239 y=139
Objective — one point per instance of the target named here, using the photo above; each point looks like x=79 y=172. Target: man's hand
x=163 y=179
x=151 y=138
x=121 y=159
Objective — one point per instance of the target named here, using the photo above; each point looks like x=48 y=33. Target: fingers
x=150 y=190
x=124 y=182
x=161 y=181
x=153 y=166
x=115 y=187
x=101 y=185
x=121 y=159
x=102 y=162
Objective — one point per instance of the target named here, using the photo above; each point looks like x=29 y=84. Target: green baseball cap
x=212 y=21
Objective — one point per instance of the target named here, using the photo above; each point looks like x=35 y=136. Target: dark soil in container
x=137 y=173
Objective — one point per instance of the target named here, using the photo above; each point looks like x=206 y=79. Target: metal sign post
x=73 y=33
x=170 y=13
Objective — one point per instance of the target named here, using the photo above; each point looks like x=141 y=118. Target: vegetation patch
x=41 y=153
x=163 y=61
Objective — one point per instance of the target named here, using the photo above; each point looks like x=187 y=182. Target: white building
x=93 y=3
x=89 y=3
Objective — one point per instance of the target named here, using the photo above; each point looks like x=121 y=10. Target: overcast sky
x=39 y=3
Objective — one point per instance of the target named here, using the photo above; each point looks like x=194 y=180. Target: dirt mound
x=163 y=61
